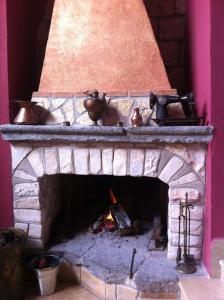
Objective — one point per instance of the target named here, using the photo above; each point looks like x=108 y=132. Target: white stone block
x=151 y=162
x=27 y=215
x=172 y=252
x=19 y=152
x=69 y=111
x=81 y=160
x=22 y=226
x=95 y=161
x=195 y=229
x=65 y=160
x=27 y=189
x=36 y=162
x=35 y=231
x=196 y=213
x=51 y=161
x=107 y=161
x=180 y=193
x=197 y=155
x=171 y=168
x=191 y=177
x=55 y=117
x=31 y=202
x=120 y=162
x=22 y=175
x=56 y=103
x=195 y=240
x=137 y=162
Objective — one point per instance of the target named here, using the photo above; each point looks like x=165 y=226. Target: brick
x=170 y=52
x=23 y=175
x=19 y=152
x=180 y=6
x=120 y=162
x=117 y=94
x=137 y=162
x=180 y=193
x=69 y=111
x=27 y=215
x=42 y=94
x=172 y=252
x=51 y=161
x=36 y=162
x=81 y=157
x=151 y=162
x=31 y=202
x=95 y=161
x=172 y=28
x=65 y=159
x=172 y=167
x=191 y=177
x=27 y=189
x=177 y=77
x=63 y=94
x=107 y=161
x=161 y=7
x=138 y=93
x=196 y=212
x=35 y=231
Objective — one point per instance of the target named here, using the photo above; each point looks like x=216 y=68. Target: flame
x=109 y=217
x=112 y=197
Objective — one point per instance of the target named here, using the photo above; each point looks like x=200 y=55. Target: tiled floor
x=65 y=291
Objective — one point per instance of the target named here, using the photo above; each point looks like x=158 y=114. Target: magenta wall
x=5 y=187
x=19 y=20
x=206 y=48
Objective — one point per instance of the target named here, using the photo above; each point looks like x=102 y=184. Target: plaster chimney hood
x=104 y=44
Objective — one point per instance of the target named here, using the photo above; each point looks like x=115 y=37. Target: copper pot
x=25 y=115
x=94 y=105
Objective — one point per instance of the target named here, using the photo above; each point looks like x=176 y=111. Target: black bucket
x=12 y=283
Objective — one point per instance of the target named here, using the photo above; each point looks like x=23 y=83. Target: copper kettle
x=95 y=104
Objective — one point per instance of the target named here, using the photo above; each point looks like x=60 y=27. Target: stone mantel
x=107 y=134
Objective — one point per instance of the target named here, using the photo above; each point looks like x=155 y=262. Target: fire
x=109 y=217
x=112 y=197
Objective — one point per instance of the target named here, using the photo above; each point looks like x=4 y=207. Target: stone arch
x=169 y=166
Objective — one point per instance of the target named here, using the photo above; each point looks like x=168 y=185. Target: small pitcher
x=136 y=118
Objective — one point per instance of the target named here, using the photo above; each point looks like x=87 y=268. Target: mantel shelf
x=107 y=134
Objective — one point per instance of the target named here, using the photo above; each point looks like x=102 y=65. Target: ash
x=108 y=256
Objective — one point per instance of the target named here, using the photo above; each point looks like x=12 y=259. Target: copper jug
x=25 y=115
x=95 y=105
x=136 y=118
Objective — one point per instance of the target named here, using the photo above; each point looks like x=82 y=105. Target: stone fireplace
x=46 y=155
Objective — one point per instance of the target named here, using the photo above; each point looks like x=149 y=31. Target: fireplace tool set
x=186 y=262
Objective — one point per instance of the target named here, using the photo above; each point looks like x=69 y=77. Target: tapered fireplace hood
x=103 y=44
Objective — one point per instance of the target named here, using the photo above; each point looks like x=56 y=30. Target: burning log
x=122 y=219
x=116 y=218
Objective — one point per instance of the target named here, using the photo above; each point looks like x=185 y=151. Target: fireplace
x=171 y=158
x=63 y=175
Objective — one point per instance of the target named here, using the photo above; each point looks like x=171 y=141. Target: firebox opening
x=80 y=201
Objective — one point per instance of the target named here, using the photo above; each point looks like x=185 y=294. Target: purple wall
x=206 y=47
x=5 y=187
x=19 y=20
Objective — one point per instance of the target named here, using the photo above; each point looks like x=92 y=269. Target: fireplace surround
x=40 y=153
x=175 y=155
